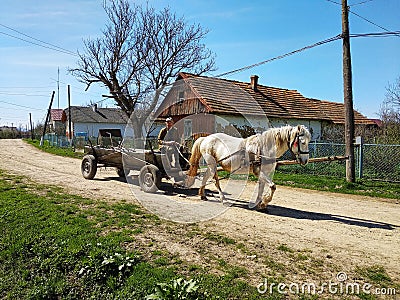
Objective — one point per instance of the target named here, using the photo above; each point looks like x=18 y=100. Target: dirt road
x=351 y=231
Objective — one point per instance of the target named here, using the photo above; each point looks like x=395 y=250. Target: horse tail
x=194 y=162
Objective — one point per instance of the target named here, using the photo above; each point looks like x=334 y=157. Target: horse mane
x=282 y=136
x=279 y=135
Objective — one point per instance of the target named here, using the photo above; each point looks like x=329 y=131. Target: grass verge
x=60 y=246
x=66 y=152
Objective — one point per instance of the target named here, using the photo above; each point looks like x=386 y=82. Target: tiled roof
x=56 y=114
x=335 y=112
x=85 y=114
x=229 y=97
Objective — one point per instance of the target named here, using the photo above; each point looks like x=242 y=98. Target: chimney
x=254 y=82
x=94 y=107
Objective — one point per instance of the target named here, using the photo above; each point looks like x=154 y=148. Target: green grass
x=66 y=152
x=339 y=185
x=59 y=246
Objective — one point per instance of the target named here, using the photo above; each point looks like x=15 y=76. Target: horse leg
x=267 y=197
x=221 y=194
x=261 y=185
x=202 y=193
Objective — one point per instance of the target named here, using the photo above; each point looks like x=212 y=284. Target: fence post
x=360 y=143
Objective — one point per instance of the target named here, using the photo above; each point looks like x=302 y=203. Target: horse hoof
x=262 y=208
x=204 y=198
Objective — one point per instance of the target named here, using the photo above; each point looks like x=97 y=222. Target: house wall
x=260 y=124
x=92 y=129
x=314 y=126
x=335 y=132
x=199 y=123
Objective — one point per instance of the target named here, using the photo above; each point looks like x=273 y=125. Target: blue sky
x=241 y=33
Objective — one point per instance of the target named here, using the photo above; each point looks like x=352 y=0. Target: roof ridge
x=191 y=75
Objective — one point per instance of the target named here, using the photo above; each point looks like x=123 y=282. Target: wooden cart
x=149 y=163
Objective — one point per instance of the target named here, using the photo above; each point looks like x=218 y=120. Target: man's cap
x=169 y=119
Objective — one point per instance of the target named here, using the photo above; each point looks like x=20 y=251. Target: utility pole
x=47 y=117
x=348 y=95
x=30 y=122
x=58 y=87
x=69 y=117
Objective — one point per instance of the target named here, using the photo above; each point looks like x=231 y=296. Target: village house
x=89 y=120
x=55 y=123
x=200 y=104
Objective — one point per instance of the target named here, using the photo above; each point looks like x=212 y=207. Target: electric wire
x=361 y=17
x=362 y=2
x=329 y=40
x=50 y=46
x=37 y=44
x=23 y=106
x=369 y=21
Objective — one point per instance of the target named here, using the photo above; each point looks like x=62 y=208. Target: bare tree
x=141 y=50
x=393 y=95
x=390 y=114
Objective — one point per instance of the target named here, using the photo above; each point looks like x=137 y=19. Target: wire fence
x=373 y=161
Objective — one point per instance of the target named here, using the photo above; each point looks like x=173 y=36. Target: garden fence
x=372 y=161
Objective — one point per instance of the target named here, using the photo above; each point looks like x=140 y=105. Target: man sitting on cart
x=168 y=141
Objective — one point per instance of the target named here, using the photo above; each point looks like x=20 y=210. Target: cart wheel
x=150 y=178
x=89 y=166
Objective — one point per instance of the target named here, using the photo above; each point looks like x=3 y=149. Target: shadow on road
x=301 y=214
x=274 y=210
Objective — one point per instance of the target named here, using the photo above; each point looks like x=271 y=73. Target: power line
x=365 y=19
x=21 y=105
x=361 y=17
x=362 y=2
x=376 y=34
x=337 y=37
x=355 y=4
x=55 y=48
x=25 y=87
x=22 y=94
x=334 y=2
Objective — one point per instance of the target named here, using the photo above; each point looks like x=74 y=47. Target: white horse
x=256 y=154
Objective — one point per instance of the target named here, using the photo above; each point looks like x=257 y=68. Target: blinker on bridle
x=290 y=145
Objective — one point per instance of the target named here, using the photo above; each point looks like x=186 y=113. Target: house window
x=187 y=128
x=181 y=97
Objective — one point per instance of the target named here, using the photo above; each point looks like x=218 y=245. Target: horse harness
x=295 y=141
x=256 y=159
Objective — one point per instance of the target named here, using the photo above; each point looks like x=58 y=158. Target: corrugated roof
x=232 y=97
x=84 y=114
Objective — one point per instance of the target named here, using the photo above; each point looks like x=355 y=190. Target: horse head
x=299 y=137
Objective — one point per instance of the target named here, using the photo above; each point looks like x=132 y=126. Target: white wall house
x=200 y=104
x=89 y=120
